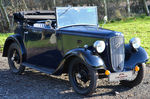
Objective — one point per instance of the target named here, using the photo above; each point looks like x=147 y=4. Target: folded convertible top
x=34 y=15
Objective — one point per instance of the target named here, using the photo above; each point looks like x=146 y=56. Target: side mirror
x=105 y=20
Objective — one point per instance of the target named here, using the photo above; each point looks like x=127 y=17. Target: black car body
x=51 y=50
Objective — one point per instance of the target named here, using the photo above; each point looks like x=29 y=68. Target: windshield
x=68 y=16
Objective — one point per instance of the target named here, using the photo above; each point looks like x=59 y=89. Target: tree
x=128 y=7
x=146 y=7
x=4 y=15
x=25 y=5
x=12 y=3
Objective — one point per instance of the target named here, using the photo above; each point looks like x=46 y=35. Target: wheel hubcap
x=81 y=77
x=78 y=76
x=15 y=59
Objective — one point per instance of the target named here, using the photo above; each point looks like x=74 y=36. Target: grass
x=133 y=27
x=3 y=37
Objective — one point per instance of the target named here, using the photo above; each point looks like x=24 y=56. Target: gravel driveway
x=36 y=85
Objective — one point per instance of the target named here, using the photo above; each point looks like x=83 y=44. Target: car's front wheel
x=15 y=59
x=82 y=78
x=137 y=79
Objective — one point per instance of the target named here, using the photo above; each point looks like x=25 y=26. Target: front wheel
x=82 y=78
x=137 y=80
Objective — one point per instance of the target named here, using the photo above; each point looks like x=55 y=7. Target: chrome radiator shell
x=117 y=53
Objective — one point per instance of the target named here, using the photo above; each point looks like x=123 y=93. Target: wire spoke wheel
x=15 y=59
x=81 y=76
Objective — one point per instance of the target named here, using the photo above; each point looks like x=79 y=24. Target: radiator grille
x=117 y=52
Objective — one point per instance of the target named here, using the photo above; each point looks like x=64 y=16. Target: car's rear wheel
x=137 y=80
x=82 y=78
x=15 y=59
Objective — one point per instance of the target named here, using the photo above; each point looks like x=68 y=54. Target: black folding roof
x=34 y=15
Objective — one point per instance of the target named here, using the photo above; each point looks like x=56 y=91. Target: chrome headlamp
x=135 y=43
x=99 y=46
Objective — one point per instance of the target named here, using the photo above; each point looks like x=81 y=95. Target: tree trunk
x=25 y=5
x=12 y=3
x=13 y=6
x=1 y=26
x=5 y=15
x=105 y=5
x=146 y=8
x=128 y=7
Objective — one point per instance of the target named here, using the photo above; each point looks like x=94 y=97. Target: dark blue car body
x=84 y=52
x=52 y=52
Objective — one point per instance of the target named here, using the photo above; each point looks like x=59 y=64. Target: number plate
x=120 y=76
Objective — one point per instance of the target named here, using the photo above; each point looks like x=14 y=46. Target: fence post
x=105 y=8
x=128 y=7
x=54 y=1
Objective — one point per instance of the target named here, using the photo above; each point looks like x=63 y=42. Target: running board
x=38 y=68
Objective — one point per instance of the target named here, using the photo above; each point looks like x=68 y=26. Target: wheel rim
x=134 y=76
x=81 y=77
x=14 y=60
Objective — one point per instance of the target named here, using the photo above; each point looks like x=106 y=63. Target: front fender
x=87 y=56
x=133 y=57
x=14 y=39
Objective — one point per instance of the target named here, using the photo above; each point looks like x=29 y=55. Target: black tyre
x=15 y=59
x=137 y=80
x=82 y=78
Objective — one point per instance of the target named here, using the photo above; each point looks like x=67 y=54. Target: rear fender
x=14 y=39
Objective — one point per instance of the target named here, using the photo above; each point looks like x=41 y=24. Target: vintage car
x=69 y=40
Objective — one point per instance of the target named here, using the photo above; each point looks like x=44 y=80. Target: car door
x=41 y=47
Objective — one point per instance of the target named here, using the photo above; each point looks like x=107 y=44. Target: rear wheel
x=15 y=59
x=82 y=78
x=137 y=80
